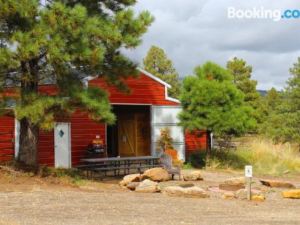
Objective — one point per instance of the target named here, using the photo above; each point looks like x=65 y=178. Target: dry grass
x=266 y=158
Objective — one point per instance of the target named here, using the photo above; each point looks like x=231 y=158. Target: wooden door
x=134 y=134
x=142 y=134
x=126 y=135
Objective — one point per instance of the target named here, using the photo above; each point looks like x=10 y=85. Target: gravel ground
x=110 y=205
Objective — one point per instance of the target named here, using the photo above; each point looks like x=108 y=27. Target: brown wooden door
x=126 y=135
x=134 y=134
x=142 y=134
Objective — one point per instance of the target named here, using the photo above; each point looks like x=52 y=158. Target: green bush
x=197 y=159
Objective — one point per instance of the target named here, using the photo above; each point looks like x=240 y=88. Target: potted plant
x=165 y=143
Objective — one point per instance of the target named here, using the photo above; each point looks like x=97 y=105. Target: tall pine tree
x=242 y=78
x=61 y=42
x=283 y=125
x=157 y=63
x=211 y=101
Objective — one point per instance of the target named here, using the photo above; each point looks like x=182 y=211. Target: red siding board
x=7 y=132
x=195 y=141
x=83 y=131
x=143 y=90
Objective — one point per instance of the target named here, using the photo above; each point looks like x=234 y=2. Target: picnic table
x=118 y=164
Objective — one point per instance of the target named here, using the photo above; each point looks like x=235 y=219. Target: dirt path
x=110 y=205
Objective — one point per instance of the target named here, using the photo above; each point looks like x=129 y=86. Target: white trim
x=170 y=98
x=146 y=104
x=17 y=138
x=154 y=77
x=86 y=80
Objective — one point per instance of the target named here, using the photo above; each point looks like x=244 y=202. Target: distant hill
x=262 y=92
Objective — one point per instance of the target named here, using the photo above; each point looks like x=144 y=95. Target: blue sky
x=195 y=31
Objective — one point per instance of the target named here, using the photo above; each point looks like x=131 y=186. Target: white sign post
x=248 y=175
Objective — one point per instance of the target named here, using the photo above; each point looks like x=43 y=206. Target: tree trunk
x=29 y=134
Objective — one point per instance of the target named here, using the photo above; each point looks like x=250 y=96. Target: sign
x=248 y=171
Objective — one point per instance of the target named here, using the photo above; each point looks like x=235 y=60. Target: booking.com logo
x=262 y=13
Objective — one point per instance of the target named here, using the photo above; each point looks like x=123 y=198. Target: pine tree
x=242 y=78
x=212 y=102
x=283 y=124
x=157 y=63
x=61 y=43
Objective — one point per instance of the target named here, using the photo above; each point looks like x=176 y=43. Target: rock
x=156 y=174
x=186 y=185
x=277 y=183
x=233 y=184
x=130 y=178
x=147 y=186
x=258 y=198
x=192 y=192
x=132 y=185
x=242 y=193
x=228 y=195
x=291 y=194
x=193 y=176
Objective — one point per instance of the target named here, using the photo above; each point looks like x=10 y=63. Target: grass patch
x=265 y=157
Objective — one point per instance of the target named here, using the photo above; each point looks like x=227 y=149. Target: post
x=248 y=175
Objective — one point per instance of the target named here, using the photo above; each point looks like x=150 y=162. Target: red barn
x=140 y=116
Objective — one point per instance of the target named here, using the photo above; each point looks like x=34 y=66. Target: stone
x=233 y=184
x=130 y=178
x=156 y=174
x=295 y=194
x=186 y=185
x=277 y=184
x=228 y=195
x=192 y=192
x=242 y=193
x=192 y=176
x=258 y=198
x=132 y=185
x=147 y=186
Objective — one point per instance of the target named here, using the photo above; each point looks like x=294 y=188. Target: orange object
x=172 y=153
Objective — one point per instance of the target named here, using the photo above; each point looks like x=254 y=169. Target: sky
x=195 y=31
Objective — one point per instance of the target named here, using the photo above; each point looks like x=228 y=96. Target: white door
x=62 y=142
x=166 y=116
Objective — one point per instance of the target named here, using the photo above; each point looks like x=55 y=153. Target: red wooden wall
x=195 y=141
x=83 y=131
x=143 y=90
x=7 y=133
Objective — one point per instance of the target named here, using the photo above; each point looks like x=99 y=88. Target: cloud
x=195 y=31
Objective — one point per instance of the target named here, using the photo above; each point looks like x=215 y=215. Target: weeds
x=265 y=157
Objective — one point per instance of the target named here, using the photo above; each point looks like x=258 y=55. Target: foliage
x=263 y=155
x=212 y=102
x=197 y=159
x=165 y=140
x=157 y=63
x=242 y=79
x=61 y=43
x=283 y=124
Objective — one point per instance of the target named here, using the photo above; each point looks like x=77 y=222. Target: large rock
x=147 y=186
x=228 y=195
x=130 y=178
x=192 y=176
x=291 y=194
x=242 y=193
x=277 y=183
x=132 y=185
x=192 y=192
x=156 y=174
x=233 y=184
